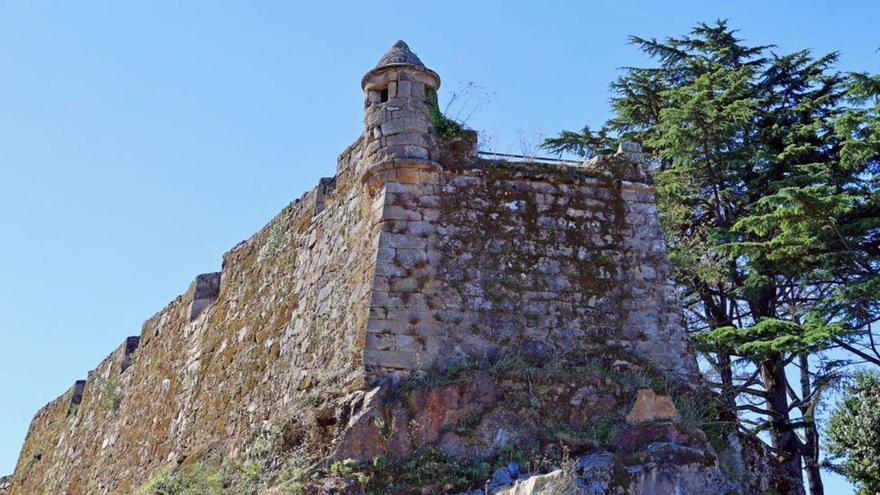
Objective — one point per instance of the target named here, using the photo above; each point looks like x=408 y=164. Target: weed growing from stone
x=111 y=397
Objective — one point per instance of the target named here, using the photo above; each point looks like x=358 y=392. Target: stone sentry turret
x=490 y=257
x=396 y=116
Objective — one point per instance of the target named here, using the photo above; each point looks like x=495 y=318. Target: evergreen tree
x=854 y=433
x=767 y=191
x=793 y=200
x=849 y=315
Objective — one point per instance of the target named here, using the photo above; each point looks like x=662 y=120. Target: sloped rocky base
x=519 y=425
x=663 y=468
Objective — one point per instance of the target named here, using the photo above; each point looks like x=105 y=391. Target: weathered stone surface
x=206 y=288
x=552 y=483
x=399 y=54
x=635 y=438
x=362 y=438
x=667 y=470
x=651 y=406
x=555 y=255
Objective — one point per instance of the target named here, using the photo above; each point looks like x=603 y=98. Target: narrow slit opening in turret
x=383 y=95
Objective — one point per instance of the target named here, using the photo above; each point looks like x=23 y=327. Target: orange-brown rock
x=651 y=406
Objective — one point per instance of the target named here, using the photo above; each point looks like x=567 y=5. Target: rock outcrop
x=423 y=319
x=650 y=406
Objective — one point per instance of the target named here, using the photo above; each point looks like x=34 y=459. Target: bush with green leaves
x=854 y=432
x=206 y=479
x=191 y=480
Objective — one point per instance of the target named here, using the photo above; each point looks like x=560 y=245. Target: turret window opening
x=383 y=95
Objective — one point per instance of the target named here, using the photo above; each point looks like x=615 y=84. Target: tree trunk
x=811 y=459
x=782 y=436
x=718 y=318
x=728 y=397
x=811 y=433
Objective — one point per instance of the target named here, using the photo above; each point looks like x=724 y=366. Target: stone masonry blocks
x=486 y=260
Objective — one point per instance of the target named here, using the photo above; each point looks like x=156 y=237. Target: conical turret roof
x=399 y=54
x=400 y=57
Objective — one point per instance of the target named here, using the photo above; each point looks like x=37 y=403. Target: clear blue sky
x=141 y=140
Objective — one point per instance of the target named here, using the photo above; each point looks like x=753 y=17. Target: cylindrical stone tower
x=397 y=122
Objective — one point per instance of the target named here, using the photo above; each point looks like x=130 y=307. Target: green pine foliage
x=854 y=432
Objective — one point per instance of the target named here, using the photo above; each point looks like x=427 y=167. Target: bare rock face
x=555 y=482
x=362 y=438
x=667 y=470
x=651 y=406
x=660 y=469
x=469 y=419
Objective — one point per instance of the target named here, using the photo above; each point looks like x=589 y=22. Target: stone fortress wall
x=493 y=257
x=287 y=315
x=416 y=254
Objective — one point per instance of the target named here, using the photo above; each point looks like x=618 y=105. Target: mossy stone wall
x=289 y=321
x=499 y=257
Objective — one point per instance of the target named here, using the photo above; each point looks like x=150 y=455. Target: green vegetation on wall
x=445 y=127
